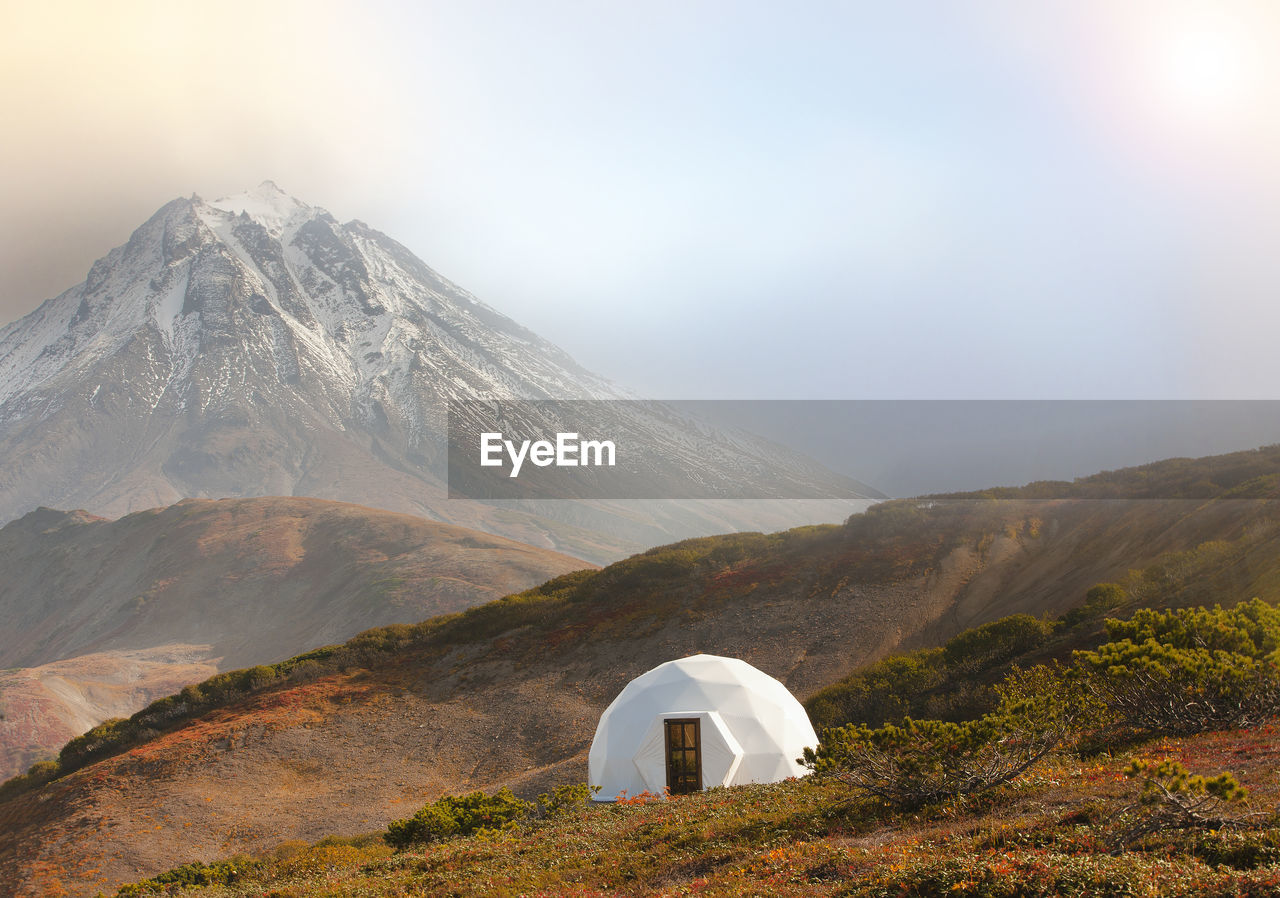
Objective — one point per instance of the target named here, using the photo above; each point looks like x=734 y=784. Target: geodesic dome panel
x=752 y=728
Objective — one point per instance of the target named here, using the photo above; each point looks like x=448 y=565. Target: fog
x=714 y=200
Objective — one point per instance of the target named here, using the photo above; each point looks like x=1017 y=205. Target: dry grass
x=1046 y=835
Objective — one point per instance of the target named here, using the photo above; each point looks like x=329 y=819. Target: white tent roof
x=752 y=728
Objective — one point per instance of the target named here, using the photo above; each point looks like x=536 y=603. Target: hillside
x=135 y=608
x=1043 y=836
x=255 y=579
x=509 y=693
x=1067 y=786
x=42 y=708
x=1083 y=820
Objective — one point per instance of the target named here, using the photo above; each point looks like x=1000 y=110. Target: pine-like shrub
x=564 y=800
x=1173 y=798
x=982 y=648
x=1188 y=670
x=458 y=815
x=920 y=762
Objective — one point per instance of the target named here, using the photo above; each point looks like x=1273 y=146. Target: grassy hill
x=1079 y=821
x=339 y=742
x=99 y=617
x=1045 y=836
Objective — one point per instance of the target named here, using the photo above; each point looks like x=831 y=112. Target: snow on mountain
x=342 y=304
x=254 y=345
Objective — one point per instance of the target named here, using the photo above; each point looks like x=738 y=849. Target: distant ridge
x=99 y=617
x=254 y=579
x=1250 y=474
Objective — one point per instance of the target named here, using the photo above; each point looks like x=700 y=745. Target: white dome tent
x=695 y=723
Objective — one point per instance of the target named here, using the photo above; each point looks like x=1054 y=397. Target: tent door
x=684 y=755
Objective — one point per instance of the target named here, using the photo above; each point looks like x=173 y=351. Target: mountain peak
x=266 y=204
x=221 y=322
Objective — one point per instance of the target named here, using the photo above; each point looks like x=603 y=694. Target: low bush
x=984 y=647
x=925 y=761
x=1251 y=628
x=885 y=691
x=88 y=746
x=1235 y=848
x=458 y=815
x=1097 y=601
x=1050 y=873
x=564 y=800
x=37 y=775
x=1188 y=670
x=952 y=683
x=480 y=814
x=195 y=873
x=1173 y=798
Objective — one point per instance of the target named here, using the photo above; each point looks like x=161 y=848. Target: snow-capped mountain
x=254 y=345
x=218 y=300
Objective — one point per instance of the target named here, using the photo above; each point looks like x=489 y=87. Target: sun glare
x=1207 y=67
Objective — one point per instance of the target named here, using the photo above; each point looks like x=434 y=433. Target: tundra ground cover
x=1048 y=833
x=1002 y=805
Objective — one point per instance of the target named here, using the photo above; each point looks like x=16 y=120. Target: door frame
x=668 y=723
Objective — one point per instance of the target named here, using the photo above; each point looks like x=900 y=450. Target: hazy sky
x=697 y=199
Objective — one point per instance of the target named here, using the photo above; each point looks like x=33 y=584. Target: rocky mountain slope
x=256 y=346
x=509 y=693
x=133 y=609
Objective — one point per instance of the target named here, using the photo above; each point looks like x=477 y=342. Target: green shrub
x=1167 y=783
x=885 y=691
x=258 y=677
x=43 y=770
x=982 y=648
x=87 y=746
x=1173 y=798
x=1238 y=849
x=458 y=815
x=1059 y=873
x=1251 y=628
x=195 y=873
x=926 y=761
x=1097 y=601
x=1188 y=670
x=37 y=775
x=892 y=518
x=942 y=683
x=564 y=800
